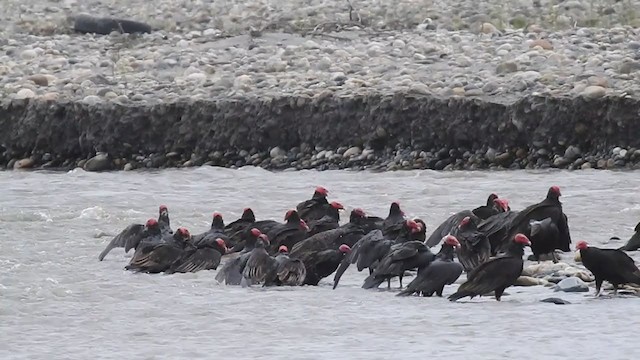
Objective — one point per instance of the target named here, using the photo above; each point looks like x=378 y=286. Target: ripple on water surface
x=58 y=301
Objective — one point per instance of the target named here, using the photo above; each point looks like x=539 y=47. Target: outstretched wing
x=201 y=259
x=447 y=226
x=292 y=272
x=161 y=257
x=127 y=238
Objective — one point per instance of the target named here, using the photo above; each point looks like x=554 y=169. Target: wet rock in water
x=84 y=23
x=100 y=162
x=572 y=284
x=557 y=301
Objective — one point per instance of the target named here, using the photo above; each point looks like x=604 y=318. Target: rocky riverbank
x=471 y=88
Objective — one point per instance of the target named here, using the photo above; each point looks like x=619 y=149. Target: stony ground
x=263 y=48
x=204 y=49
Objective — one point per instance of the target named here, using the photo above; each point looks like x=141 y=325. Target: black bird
x=132 y=234
x=205 y=255
x=450 y=226
x=442 y=271
x=550 y=207
x=544 y=237
x=259 y=264
x=320 y=264
x=365 y=254
x=289 y=271
x=495 y=228
x=288 y=234
x=496 y=274
x=611 y=265
x=235 y=229
x=332 y=239
x=313 y=208
x=493 y=206
x=475 y=248
x=231 y=271
x=634 y=243
x=400 y=258
x=367 y=223
x=158 y=257
x=216 y=231
x=393 y=223
x=326 y=223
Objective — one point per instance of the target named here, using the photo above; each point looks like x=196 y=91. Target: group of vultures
x=488 y=243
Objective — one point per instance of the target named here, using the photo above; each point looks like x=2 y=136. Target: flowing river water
x=57 y=301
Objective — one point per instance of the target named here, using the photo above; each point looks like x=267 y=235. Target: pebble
x=25 y=94
x=28 y=54
x=352 y=151
x=593 y=92
x=277 y=152
x=542 y=43
x=39 y=79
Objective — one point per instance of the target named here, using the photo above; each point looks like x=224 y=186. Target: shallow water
x=57 y=301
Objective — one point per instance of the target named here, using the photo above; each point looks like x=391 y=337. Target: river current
x=57 y=301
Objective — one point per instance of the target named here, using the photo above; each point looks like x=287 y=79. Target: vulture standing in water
x=475 y=248
x=400 y=258
x=289 y=272
x=234 y=230
x=450 y=226
x=371 y=248
x=610 y=265
x=495 y=229
x=365 y=254
x=329 y=221
x=323 y=263
x=314 y=208
x=544 y=237
x=366 y=223
x=550 y=207
x=259 y=264
x=441 y=272
x=393 y=223
x=634 y=243
x=496 y=274
x=477 y=215
x=132 y=234
x=492 y=207
x=206 y=255
x=159 y=257
x=215 y=232
x=265 y=227
x=231 y=271
x=332 y=239
x=288 y=234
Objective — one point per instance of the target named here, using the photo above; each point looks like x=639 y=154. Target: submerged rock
x=554 y=300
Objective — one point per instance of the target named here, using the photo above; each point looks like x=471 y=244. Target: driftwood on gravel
x=90 y=24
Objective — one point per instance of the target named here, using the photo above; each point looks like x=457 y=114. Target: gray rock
x=506 y=67
x=572 y=284
x=277 y=152
x=352 y=151
x=572 y=153
x=100 y=162
x=556 y=301
x=593 y=92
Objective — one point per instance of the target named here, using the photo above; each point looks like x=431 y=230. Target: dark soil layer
x=379 y=132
